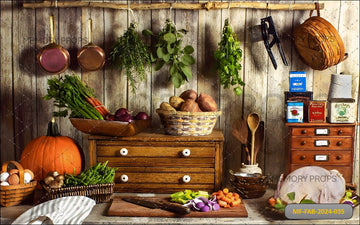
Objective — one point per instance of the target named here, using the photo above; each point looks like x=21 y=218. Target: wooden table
x=154 y=162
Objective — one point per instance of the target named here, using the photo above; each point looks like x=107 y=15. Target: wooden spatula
x=240 y=131
x=259 y=139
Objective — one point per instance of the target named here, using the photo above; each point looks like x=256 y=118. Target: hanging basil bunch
x=228 y=58
x=130 y=53
x=169 y=51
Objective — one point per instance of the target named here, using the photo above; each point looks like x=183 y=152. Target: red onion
x=124 y=118
x=142 y=116
x=122 y=111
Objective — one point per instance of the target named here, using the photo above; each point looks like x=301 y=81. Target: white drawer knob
x=124 y=151
x=124 y=178
x=186 y=152
x=186 y=179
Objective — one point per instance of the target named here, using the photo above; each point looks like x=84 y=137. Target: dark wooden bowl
x=110 y=128
x=249 y=187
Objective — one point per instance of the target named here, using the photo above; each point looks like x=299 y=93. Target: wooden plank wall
x=24 y=113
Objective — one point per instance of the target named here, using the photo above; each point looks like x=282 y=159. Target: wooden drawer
x=158 y=161
x=321 y=142
x=346 y=171
x=322 y=131
x=163 y=180
x=321 y=157
x=128 y=151
x=153 y=162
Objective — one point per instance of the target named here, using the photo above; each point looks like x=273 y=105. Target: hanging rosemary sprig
x=130 y=53
x=228 y=58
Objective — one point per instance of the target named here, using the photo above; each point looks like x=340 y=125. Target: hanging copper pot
x=53 y=58
x=91 y=57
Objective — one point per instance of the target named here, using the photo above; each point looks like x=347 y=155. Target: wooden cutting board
x=119 y=207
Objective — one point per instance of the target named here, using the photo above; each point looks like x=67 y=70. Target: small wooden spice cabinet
x=153 y=162
x=330 y=146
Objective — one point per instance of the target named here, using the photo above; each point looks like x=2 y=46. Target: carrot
x=226 y=190
x=235 y=203
x=222 y=203
x=98 y=106
x=227 y=200
x=236 y=195
x=272 y=202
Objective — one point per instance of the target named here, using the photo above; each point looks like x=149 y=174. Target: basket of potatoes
x=189 y=114
x=17 y=185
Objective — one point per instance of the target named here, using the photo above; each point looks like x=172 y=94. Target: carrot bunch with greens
x=227 y=199
x=70 y=93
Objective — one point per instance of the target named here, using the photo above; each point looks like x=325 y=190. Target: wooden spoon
x=253 y=121
x=240 y=131
x=259 y=139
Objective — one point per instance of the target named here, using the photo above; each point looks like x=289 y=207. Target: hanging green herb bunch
x=130 y=53
x=228 y=58
x=169 y=51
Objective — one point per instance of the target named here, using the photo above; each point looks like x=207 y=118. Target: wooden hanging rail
x=176 y=5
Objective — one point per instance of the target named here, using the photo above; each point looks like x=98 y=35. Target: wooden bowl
x=110 y=128
x=249 y=186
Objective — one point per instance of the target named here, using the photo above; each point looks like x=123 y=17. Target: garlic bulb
x=27 y=178
x=4 y=183
x=4 y=176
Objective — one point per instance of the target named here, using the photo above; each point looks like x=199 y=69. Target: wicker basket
x=16 y=194
x=318 y=43
x=99 y=192
x=181 y=123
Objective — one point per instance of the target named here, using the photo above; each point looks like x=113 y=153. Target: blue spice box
x=297 y=81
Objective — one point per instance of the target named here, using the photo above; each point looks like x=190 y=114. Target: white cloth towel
x=65 y=210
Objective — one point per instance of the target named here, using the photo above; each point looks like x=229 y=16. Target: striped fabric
x=65 y=210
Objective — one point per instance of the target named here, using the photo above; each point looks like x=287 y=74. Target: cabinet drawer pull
x=340 y=132
x=303 y=132
x=186 y=152
x=303 y=143
x=338 y=157
x=302 y=157
x=123 y=151
x=124 y=178
x=186 y=179
x=339 y=143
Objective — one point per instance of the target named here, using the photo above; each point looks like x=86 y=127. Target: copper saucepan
x=53 y=58
x=91 y=57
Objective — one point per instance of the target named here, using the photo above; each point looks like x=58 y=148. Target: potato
x=167 y=107
x=190 y=106
x=176 y=102
x=206 y=103
x=189 y=94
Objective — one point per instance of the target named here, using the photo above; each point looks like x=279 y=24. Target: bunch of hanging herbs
x=169 y=51
x=131 y=54
x=228 y=58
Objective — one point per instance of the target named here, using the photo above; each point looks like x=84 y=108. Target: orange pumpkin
x=52 y=152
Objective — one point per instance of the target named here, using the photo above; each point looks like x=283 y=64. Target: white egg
x=4 y=183
x=4 y=176
x=27 y=178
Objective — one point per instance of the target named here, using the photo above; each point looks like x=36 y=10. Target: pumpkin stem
x=53 y=129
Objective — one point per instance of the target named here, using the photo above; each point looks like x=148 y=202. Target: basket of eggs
x=17 y=185
x=189 y=114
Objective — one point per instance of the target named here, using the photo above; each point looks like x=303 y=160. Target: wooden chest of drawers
x=153 y=162
x=322 y=144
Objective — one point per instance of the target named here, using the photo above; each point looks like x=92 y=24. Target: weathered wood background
x=24 y=113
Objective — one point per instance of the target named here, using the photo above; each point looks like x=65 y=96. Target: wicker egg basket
x=318 y=43
x=16 y=194
x=181 y=123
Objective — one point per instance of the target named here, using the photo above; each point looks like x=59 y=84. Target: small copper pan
x=53 y=58
x=91 y=57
